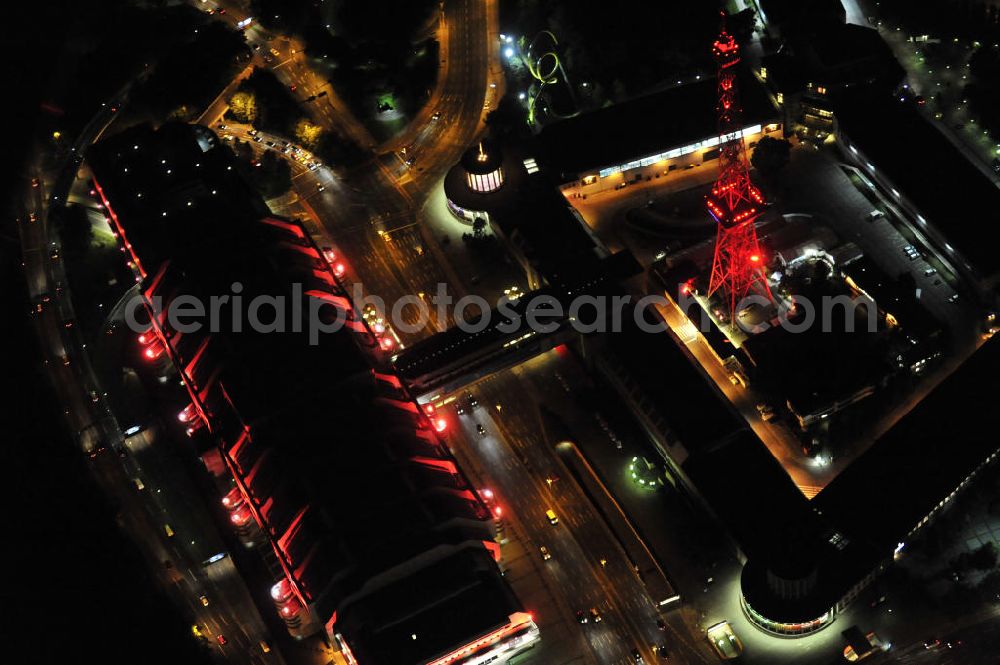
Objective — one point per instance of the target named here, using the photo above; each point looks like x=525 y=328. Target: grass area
x=104 y=239
x=96 y=270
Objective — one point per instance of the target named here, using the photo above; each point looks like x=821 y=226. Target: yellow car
x=552 y=516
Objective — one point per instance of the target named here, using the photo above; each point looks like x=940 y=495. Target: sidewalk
x=520 y=563
x=601 y=210
x=444 y=233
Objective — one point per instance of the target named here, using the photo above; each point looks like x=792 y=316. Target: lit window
x=487 y=182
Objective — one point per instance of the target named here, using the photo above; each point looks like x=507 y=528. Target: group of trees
x=966 y=19
x=482 y=243
x=983 y=93
x=983 y=558
x=371 y=48
x=621 y=51
x=264 y=102
x=94 y=266
x=99 y=47
x=186 y=80
x=269 y=173
x=796 y=17
x=770 y=155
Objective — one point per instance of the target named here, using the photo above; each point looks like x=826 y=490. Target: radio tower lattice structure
x=735 y=203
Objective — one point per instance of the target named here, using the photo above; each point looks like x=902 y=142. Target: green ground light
x=644 y=473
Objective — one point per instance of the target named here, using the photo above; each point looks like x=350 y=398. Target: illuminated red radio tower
x=735 y=203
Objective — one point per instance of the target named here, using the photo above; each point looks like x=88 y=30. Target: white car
x=725 y=642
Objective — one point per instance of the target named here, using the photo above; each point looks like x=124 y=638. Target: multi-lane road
x=519 y=456
x=370 y=211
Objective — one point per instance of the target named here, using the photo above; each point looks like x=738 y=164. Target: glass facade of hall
x=465 y=215
x=786 y=629
x=678 y=152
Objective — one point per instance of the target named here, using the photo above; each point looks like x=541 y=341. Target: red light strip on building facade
x=118 y=227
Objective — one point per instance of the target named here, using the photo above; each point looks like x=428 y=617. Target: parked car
x=766 y=411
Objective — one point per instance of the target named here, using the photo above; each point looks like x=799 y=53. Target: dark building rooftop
x=804 y=556
x=484 y=157
x=365 y=506
x=552 y=234
x=921 y=460
x=387 y=621
x=744 y=468
x=957 y=199
x=695 y=412
x=185 y=198
x=849 y=55
x=858 y=520
x=786 y=358
x=644 y=126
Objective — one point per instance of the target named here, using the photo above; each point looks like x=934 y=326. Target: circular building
x=788 y=590
x=476 y=184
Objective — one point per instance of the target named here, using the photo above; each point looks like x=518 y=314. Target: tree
x=243 y=106
x=984 y=557
x=771 y=155
x=508 y=119
x=75 y=229
x=742 y=25
x=190 y=76
x=272 y=176
x=308 y=134
x=277 y=111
